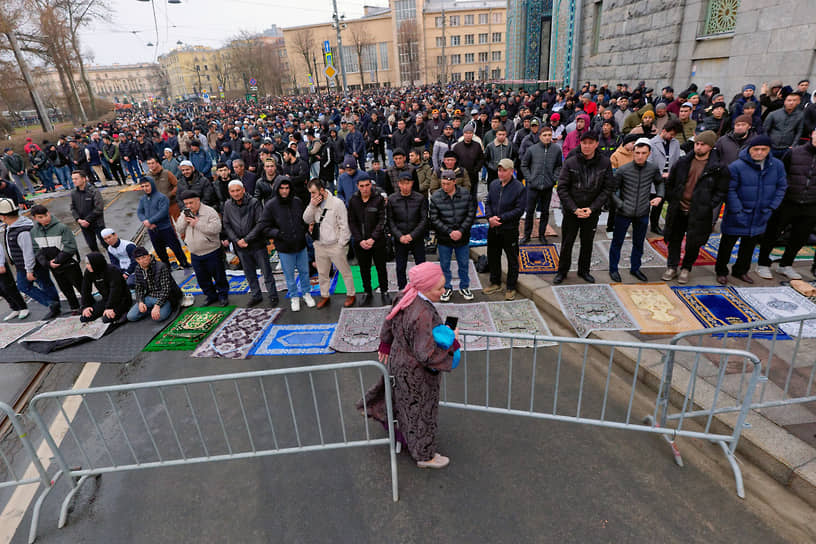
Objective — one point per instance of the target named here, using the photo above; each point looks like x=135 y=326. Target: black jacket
x=401 y=140
x=367 y=219
x=264 y=190
x=283 y=222
x=800 y=164
x=298 y=172
x=710 y=192
x=448 y=214
x=110 y=284
x=507 y=202
x=407 y=215
x=244 y=220
x=634 y=187
x=585 y=183
x=201 y=185
x=88 y=205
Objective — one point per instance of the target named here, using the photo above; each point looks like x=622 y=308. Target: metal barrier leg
x=63 y=518
x=678 y=459
x=35 y=515
x=732 y=460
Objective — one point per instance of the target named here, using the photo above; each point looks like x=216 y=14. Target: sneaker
x=684 y=276
x=789 y=272
x=669 y=274
x=510 y=294
x=11 y=316
x=187 y=301
x=764 y=272
x=466 y=293
x=307 y=298
x=446 y=295
x=295 y=304
x=493 y=288
x=438 y=461
x=23 y=314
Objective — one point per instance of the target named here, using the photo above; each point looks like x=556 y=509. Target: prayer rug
x=519 y=317
x=172 y=256
x=780 y=302
x=295 y=340
x=10 y=332
x=703 y=259
x=280 y=284
x=713 y=248
x=478 y=234
x=189 y=329
x=480 y=210
x=475 y=282
x=472 y=317
x=548 y=231
x=719 y=306
x=650 y=259
x=538 y=259
x=656 y=309
x=593 y=307
x=598 y=261
x=340 y=285
x=358 y=329
x=63 y=332
x=234 y=338
x=238 y=285
x=805 y=254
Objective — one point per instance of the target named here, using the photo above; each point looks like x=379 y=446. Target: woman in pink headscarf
x=415 y=345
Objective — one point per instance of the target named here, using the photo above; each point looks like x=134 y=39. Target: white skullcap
x=235 y=183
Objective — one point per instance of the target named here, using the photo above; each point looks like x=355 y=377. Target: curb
x=783 y=456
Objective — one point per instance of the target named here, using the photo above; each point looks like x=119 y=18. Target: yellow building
x=123 y=83
x=402 y=44
x=193 y=69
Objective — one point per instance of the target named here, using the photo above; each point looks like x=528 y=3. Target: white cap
x=187 y=163
x=107 y=232
x=643 y=141
x=235 y=183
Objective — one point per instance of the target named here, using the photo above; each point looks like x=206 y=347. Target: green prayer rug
x=189 y=329
x=358 y=281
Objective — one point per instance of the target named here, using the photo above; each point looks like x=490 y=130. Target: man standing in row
x=503 y=208
x=367 y=224
x=408 y=221
x=451 y=214
x=88 y=209
x=154 y=213
x=541 y=166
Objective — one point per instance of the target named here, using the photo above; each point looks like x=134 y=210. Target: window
x=454 y=20
x=483 y=38
x=483 y=56
x=456 y=76
x=483 y=18
x=470 y=76
x=496 y=56
x=384 y=55
x=495 y=74
x=405 y=9
x=205 y=66
x=496 y=37
x=456 y=59
x=721 y=17
x=208 y=78
x=440 y=60
x=497 y=18
x=440 y=41
x=468 y=20
x=455 y=40
x=469 y=39
x=596 y=27
x=439 y=21
x=468 y=58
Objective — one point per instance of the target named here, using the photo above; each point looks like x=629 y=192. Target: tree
x=304 y=43
x=254 y=56
x=361 y=40
x=79 y=13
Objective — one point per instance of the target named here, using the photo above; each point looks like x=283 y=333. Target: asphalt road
x=511 y=479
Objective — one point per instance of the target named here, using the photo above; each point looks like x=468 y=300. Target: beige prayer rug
x=656 y=308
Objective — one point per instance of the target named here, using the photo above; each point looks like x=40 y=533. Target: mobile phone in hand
x=451 y=322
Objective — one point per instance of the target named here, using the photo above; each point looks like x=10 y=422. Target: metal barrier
x=35 y=473
x=245 y=415
x=555 y=390
x=798 y=394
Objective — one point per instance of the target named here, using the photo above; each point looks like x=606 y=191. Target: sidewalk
x=771 y=440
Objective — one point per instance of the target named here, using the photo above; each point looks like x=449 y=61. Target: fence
x=794 y=385
x=554 y=390
x=187 y=421
x=35 y=474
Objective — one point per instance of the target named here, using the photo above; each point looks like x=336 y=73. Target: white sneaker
x=764 y=272
x=187 y=301
x=295 y=302
x=307 y=298
x=789 y=272
x=11 y=316
x=23 y=314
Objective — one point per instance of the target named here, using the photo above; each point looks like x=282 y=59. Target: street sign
x=329 y=59
x=253 y=82
x=330 y=71
x=326 y=47
x=253 y=88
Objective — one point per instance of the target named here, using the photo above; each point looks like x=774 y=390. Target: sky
x=124 y=38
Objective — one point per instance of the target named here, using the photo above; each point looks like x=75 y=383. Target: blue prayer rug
x=478 y=234
x=238 y=285
x=295 y=340
x=719 y=306
x=538 y=259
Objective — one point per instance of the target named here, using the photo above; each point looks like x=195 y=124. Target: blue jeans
x=462 y=257
x=639 y=226
x=47 y=177
x=300 y=262
x=64 y=177
x=209 y=268
x=44 y=291
x=164 y=312
x=134 y=170
x=23 y=183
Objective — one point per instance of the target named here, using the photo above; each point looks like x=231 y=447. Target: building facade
x=118 y=83
x=663 y=42
x=192 y=70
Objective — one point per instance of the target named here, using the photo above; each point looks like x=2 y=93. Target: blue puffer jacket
x=753 y=194
x=155 y=207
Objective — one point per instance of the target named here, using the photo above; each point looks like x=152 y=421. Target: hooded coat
x=282 y=219
x=108 y=281
x=574 y=138
x=154 y=207
x=754 y=192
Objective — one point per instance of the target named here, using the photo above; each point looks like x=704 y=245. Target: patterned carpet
x=519 y=317
x=593 y=307
x=10 y=332
x=473 y=317
x=189 y=329
x=475 y=282
x=656 y=308
x=236 y=336
x=238 y=285
x=703 y=259
x=781 y=302
x=538 y=259
x=295 y=340
x=650 y=259
x=358 y=329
